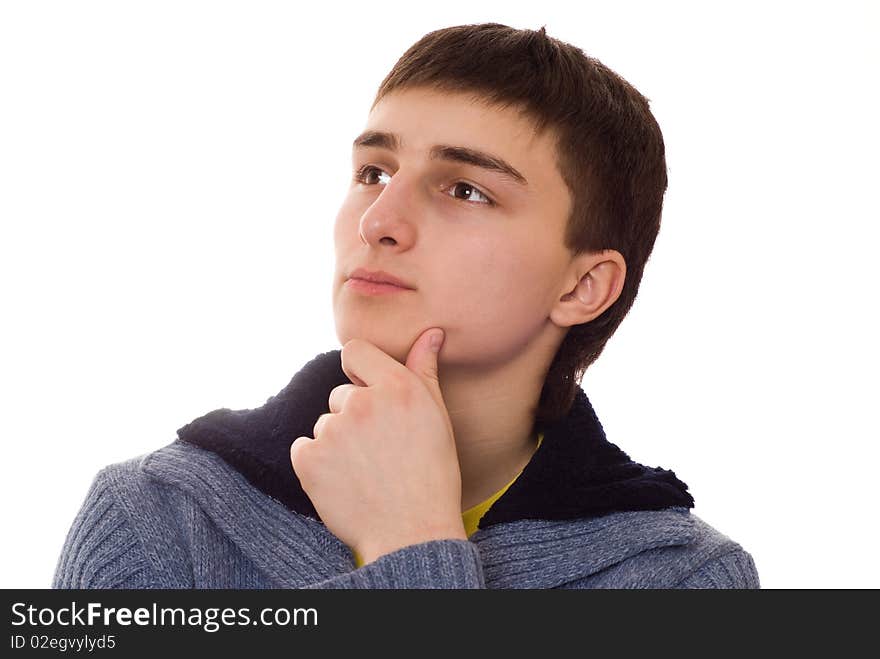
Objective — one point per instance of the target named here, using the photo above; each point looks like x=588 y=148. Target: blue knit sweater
x=220 y=507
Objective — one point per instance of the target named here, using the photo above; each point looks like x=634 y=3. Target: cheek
x=344 y=224
x=494 y=288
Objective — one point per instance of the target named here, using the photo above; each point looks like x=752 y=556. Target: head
x=544 y=241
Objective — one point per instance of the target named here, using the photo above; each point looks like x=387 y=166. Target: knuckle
x=338 y=396
x=321 y=425
x=299 y=456
x=358 y=403
x=398 y=383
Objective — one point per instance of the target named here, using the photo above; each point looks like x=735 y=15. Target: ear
x=593 y=283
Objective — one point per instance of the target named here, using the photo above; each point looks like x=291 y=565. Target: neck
x=492 y=409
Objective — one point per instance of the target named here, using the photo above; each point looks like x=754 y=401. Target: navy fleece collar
x=576 y=472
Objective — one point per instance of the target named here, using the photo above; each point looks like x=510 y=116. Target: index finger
x=365 y=363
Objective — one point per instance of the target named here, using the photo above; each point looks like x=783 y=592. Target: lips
x=379 y=277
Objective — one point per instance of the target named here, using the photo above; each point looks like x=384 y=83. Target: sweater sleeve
x=101 y=549
x=734 y=570
x=437 y=564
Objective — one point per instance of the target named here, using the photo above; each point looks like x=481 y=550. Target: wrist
x=372 y=550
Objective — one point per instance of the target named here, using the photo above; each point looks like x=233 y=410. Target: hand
x=382 y=470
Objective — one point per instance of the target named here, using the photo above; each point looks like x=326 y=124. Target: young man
x=506 y=195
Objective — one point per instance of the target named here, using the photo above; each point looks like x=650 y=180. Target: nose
x=389 y=219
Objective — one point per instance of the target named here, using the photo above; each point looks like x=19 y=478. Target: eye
x=364 y=172
x=365 y=176
x=473 y=191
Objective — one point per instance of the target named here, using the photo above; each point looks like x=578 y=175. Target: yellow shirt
x=471 y=516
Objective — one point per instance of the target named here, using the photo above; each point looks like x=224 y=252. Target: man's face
x=487 y=274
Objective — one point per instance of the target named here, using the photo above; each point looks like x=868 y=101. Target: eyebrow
x=392 y=142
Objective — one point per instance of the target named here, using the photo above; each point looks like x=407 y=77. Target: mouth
x=373 y=287
x=379 y=277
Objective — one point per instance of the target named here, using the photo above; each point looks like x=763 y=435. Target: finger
x=365 y=364
x=322 y=420
x=339 y=395
x=299 y=445
x=422 y=357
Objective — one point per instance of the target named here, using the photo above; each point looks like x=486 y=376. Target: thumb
x=422 y=357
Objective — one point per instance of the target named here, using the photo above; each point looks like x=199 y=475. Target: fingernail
x=436 y=341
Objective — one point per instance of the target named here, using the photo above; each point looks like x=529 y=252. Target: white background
x=169 y=177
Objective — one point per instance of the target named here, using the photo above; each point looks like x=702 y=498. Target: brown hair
x=610 y=154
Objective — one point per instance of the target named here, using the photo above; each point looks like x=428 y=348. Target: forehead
x=423 y=118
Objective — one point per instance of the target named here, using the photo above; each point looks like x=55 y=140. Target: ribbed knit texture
x=181 y=517
x=101 y=551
